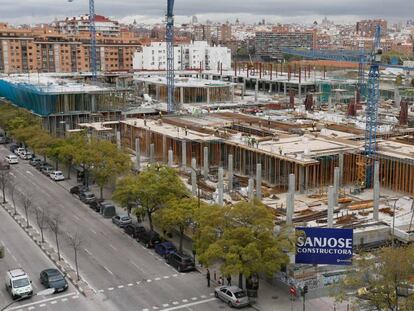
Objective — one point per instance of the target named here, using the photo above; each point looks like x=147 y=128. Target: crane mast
x=169 y=36
x=92 y=30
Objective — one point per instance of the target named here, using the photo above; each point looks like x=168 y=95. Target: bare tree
x=12 y=191
x=41 y=219
x=27 y=206
x=4 y=180
x=54 y=223
x=76 y=241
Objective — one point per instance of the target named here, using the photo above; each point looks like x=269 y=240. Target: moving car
x=19 y=150
x=87 y=197
x=149 y=238
x=12 y=159
x=18 y=284
x=133 y=230
x=25 y=155
x=181 y=261
x=121 y=220
x=232 y=295
x=57 y=175
x=52 y=278
x=164 y=249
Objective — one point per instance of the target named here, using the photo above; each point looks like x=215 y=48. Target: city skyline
x=44 y=11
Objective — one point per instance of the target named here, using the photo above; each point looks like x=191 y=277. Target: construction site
x=318 y=146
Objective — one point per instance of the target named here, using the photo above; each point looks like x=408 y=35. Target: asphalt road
x=125 y=275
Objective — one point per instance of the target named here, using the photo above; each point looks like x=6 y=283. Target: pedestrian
x=221 y=281
x=208 y=277
x=229 y=280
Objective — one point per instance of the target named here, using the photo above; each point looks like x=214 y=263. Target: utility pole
x=304 y=292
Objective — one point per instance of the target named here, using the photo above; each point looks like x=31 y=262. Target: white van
x=18 y=284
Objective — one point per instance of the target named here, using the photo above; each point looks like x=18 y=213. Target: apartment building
x=367 y=28
x=270 y=44
x=186 y=56
x=76 y=25
x=44 y=49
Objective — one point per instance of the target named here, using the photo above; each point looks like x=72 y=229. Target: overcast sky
x=36 y=11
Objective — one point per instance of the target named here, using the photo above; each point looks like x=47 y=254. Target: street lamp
x=45 y=292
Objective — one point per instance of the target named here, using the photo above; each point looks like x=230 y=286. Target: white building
x=75 y=25
x=187 y=56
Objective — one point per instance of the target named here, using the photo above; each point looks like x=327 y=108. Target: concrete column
x=208 y=96
x=152 y=153
x=301 y=180
x=182 y=96
x=118 y=139
x=256 y=91
x=331 y=204
x=259 y=181
x=284 y=88
x=290 y=200
x=157 y=92
x=376 y=190
x=93 y=103
x=330 y=104
x=138 y=154
x=170 y=158
x=336 y=185
x=66 y=102
x=341 y=168
x=250 y=189
x=205 y=167
x=164 y=148
x=300 y=91
x=184 y=154
x=230 y=172
x=194 y=176
x=232 y=94
x=270 y=88
x=243 y=88
x=220 y=186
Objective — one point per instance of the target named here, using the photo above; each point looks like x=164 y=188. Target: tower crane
x=92 y=31
x=169 y=36
x=373 y=60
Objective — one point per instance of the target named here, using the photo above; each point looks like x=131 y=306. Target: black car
x=148 y=238
x=13 y=147
x=41 y=165
x=52 y=278
x=181 y=261
x=95 y=205
x=78 y=189
x=133 y=230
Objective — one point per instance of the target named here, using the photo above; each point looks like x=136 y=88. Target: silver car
x=232 y=295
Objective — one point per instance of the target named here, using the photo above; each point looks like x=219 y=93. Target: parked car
x=4 y=140
x=149 y=238
x=12 y=159
x=181 y=261
x=107 y=209
x=121 y=220
x=164 y=249
x=46 y=170
x=27 y=155
x=13 y=147
x=18 y=284
x=52 y=278
x=232 y=295
x=42 y=164
x=133 y=230
x=57 y=175
x=87 y=197
x=96 y=205
x=78 y=189
x=19 y=150
x=35 y=161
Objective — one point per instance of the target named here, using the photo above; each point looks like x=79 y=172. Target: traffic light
x=305 y=289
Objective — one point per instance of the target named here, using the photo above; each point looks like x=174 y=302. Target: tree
x=67 y=150
x=178 y=214
x=110 y=163
x=53 y=150
x=86 y=158
x=384 y=276
x=41 y=143
x=41 y=219
x=240 y=238
x=76 y=241
x=4 y=181
x=54 y=223
x=150 y=190
x=27 y=206
x=12 y=191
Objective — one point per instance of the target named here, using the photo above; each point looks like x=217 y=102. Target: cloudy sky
x=34 y=11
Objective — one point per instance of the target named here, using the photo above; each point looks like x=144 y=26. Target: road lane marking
x=130 y=284
x=53 y=302
x=157 y=279
x=88 y=252
x=110 y=288
x=30 y=308
x=30 y=173
x=64 y=299
x=75 y=297
x=120 y=286
x=109 y=271
x=93 y=231
x=42 y=305
x=185 y=300
x=76 y=217
x=194 y=298
x=165 y=305
x=113 y=247
x=74 y=294
x=189 y=304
